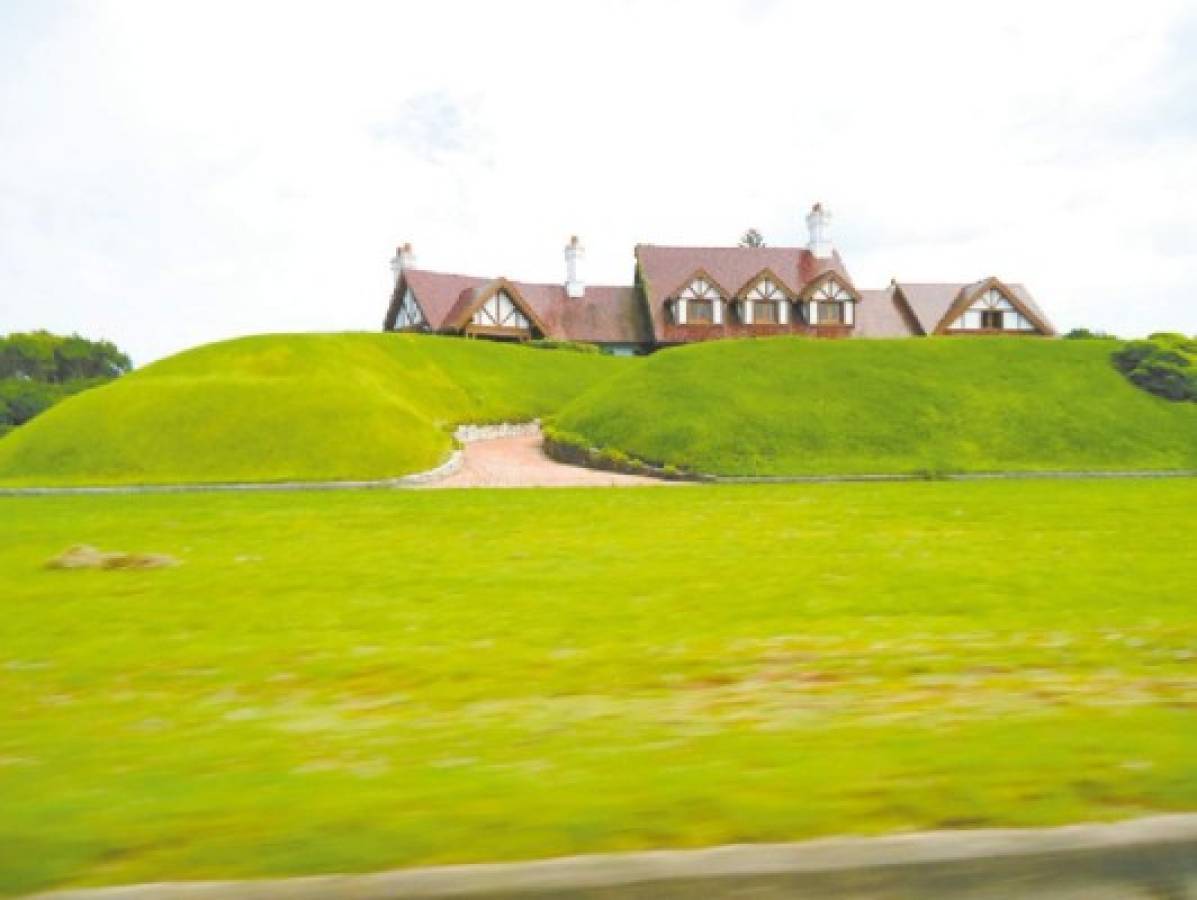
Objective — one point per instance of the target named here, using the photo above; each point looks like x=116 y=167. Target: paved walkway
x=520 y=462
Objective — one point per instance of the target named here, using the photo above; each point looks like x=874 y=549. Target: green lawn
x=788 y=406
x=296 y=406
x=354 y=681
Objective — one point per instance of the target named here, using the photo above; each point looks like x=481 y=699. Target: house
x=686 y=294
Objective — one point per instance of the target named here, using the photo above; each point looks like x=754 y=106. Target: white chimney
x=404 y=258
x=575 y=287
x=818 y=223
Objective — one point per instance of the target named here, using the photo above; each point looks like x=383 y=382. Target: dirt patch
x=82 y=556
x=520 y=462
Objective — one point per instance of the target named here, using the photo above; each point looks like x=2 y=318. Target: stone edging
x=468 y=434
x=1140 y=858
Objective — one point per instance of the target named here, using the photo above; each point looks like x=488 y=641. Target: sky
x=176 y=173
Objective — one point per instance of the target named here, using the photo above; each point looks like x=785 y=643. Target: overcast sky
x=172 y=173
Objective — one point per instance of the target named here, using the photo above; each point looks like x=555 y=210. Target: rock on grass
x=82 y=556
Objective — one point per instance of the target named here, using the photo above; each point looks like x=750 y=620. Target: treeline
x=37 y=369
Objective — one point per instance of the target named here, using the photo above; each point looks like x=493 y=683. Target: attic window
x=764 y=304
x=831 y=304
x=993 y=311
x=700 y=312
x=699 y=303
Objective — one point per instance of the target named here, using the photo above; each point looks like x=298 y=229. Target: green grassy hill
x=793 y=407
x=278 y=407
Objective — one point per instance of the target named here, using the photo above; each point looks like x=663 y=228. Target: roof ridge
x=490 y=278
x=716 y=247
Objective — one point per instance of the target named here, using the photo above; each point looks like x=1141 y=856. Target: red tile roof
x=880 y=314
x=617 y=314
x=930 y=302
x=605 y=314
x=666 y=270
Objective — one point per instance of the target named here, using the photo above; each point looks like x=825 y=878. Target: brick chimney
x=404 y=258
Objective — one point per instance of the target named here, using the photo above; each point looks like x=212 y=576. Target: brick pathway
x=520 y=462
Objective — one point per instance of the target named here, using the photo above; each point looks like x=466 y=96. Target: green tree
x=752 y=238
x=37 y=369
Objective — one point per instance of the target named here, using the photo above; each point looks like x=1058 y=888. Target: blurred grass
x=354 y=681
x=786 y=406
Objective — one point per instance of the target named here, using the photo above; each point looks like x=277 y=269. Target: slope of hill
x=794 y=407
x=280 y=407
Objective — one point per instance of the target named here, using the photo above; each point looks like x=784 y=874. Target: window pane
x=765 y=312
x=831 y=313
x=700 y=312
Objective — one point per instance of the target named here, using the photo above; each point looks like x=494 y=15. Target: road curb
x=1145 y=858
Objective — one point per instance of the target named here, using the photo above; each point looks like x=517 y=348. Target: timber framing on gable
x=968 y=296
x=388 y=321
x=765 y=274
x=462 y=321
x=830 y=275
x=705 y=276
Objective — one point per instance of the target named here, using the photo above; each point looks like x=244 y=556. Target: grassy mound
x=793 y=407
x=278 y=407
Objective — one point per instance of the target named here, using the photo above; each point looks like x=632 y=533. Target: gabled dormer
x=830 y=302
x=698 y=301
x=764 y=300
x=991 y=307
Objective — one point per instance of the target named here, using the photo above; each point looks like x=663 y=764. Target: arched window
x=699 y=303
x=992 y=311
x=831 y=304
x=765 y=304
x=500 y=312
x=409 y=315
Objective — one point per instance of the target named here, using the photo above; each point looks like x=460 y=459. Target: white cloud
x=174 y=173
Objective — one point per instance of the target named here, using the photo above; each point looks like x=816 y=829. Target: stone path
x=520 y=462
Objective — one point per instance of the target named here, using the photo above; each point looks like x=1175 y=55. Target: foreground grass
x=354 y=681
x=792 y=406
x=297 y=406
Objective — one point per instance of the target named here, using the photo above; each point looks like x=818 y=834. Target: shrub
x=1084 y=334
x=615 y=458
x=1163 y=365
x=575 y=346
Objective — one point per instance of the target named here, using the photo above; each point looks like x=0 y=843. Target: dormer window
x=992 y=311
x=765 y=304
x=830 y=304
x=699 y=303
